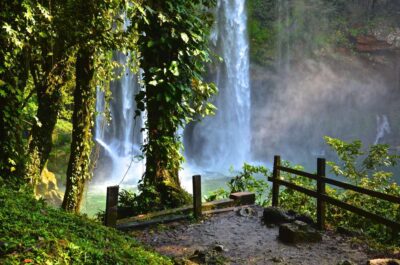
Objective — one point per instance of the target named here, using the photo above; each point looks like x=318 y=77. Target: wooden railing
x=323 y=198
x=111 y=212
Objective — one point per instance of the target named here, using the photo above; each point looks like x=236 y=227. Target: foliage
x=217 y=194
x=58 y=160
x=262 y=34
x=368 y=170
x=311 y=27
x=174 y=51
x=246 y=180
x=148 y=200
x=291 y=199
x=13 y=79
x=50 y=236
x=364 y=169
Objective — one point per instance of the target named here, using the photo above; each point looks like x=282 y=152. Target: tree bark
x=163 y=158
x=82 y=120
x=49 y=104
x=12 y=147
x=13 y=78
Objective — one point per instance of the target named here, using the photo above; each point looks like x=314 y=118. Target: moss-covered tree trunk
x=14 y=70
x=49 y=75
x=173 y=52
x=161 y=185
x=163 y=156
x=84 y=105
x=12 y=147
x=41 y=143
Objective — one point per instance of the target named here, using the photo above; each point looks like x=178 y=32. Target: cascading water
x=383 y=127
x=121 y=139
x=223 y=140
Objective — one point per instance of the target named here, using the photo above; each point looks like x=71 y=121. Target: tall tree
x=84 y=106
x=14 y=74
x=174 y=49
x=99 y=30
x=48 y=67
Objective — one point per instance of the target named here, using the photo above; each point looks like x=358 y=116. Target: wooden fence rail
x=323 y=198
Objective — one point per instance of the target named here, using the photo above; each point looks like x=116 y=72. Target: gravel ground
x=246 y=240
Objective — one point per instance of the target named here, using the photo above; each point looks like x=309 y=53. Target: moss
x=59 y=156
x=33 y=233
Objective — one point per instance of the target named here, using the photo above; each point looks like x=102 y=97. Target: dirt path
x=246 y=240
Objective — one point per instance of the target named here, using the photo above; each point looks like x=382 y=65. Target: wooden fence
x=323 y=198
x=111 y=213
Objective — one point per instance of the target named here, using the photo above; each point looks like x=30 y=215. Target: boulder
x=298 y=232
x=369 y=43
x=276 y=215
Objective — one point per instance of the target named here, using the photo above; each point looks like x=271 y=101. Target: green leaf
x=184 y=37
x=153 y=83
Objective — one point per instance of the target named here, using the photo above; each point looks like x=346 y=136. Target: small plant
x=367 y=170
x=291 y=199
x=216 y=195
x=246 y=180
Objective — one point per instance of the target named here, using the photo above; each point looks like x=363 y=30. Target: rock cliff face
x=336 y=76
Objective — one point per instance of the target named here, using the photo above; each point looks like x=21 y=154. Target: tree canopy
x=55 y=54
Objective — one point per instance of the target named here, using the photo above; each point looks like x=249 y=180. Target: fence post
x=275 y=185
x=112 y=206
x=197 y=196
x=321 y=209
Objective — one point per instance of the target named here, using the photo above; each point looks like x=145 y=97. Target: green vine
x=173 y=54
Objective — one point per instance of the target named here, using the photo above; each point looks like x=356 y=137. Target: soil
x=246 y=240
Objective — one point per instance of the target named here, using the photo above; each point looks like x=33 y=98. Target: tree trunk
x=12 y=147
x=162 y=164
x=41 y=143
x=82 y=120
x=14 y=65
x=163 y=159
x=48 y=90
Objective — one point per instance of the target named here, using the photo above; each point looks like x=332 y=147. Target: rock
x=369 y=43
x=298 y=232
x=346 y=262
x=246 y=212
x=275 y=215
x=277 y=259
x=47 y=188
x=347 y=232
x=207 y=257
x=243 y=198
x=388 y=34
x=183 y=261
x=219 y=248
x=304 y=218
x=384 y=262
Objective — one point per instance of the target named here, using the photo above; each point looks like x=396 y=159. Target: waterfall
x=223 y=140
x=119 y=139
x=383 y=127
